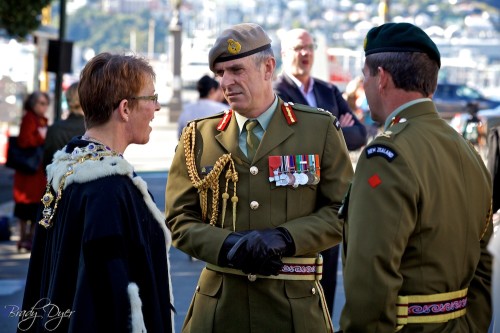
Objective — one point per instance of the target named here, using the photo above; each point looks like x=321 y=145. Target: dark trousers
x=329 y=279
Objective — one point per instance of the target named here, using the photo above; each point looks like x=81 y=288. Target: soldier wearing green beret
x=418 y=215
x=254 y=192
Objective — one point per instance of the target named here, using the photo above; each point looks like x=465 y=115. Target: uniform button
x=197 y=288
x=254 y=170
x=252 y=277
x=313 y=291
x=254 y=205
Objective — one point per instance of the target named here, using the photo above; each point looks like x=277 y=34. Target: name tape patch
x=381 y=150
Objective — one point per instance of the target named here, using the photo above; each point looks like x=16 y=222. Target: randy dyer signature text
x=44 y=310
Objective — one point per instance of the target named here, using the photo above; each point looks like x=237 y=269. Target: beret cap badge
x=233 y=46
x=239 y=41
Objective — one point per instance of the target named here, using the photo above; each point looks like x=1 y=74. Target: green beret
x=400 y=37
x=239 y=41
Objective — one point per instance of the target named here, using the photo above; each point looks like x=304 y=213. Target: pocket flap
x=210 y=283
x=300 y=289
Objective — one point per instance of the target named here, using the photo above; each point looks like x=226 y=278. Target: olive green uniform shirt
x=417 y=224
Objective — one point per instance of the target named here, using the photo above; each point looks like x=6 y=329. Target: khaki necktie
x=252 y=139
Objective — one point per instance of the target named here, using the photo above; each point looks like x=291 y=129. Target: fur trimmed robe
x=103 y=265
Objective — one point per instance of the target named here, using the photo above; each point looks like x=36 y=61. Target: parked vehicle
x=451 y=99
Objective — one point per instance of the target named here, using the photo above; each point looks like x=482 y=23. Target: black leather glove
x=228 y=244
x=260 y=251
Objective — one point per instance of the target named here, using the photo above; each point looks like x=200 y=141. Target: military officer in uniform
x=418 y=216
x=254 y=192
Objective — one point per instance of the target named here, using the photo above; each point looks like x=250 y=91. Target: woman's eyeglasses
x=153 y=98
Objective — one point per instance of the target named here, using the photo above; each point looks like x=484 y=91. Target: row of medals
x=286 y=175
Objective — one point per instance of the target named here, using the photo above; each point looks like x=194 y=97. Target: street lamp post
x=175 y=105
x=383 y=11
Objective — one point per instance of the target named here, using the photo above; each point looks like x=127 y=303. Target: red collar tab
x=289 y=114
x=397 y=120
x=225 y=120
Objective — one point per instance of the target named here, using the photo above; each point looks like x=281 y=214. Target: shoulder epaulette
x=307 y=108
x=394 y=129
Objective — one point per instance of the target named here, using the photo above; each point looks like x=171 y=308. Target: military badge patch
x=233 y=46
x=374 y=181
x=381 y=150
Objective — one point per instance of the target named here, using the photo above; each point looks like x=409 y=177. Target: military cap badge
x=233 y=46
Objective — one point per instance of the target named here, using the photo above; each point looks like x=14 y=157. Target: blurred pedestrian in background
x=418 y=216
x=28 y=188
x=59 y=133
x=209 y=102
x=100 y=253
x=356 y=99
x=297 y=85
x=255 y=194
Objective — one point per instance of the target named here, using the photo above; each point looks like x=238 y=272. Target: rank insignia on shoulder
x=381 y=150
x=336 y=123
x=386 y=134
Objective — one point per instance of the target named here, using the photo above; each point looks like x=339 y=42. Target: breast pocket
x=294 y=202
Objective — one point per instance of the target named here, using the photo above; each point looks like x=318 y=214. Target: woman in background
x=28 y=188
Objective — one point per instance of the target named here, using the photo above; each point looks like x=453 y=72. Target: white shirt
x=201 y=108
x=309 y=94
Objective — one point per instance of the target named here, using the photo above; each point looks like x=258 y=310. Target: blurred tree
x=20 y=17
x=92 y=28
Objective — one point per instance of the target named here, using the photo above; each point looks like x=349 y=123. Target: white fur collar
x=91 y=170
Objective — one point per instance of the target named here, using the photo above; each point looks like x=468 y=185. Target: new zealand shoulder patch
x=381 y=150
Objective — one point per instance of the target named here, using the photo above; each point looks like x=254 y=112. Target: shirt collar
x=263 y=119
x=401 y=108
x=300 y=85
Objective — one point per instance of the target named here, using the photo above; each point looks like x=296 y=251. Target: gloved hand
x=228 y=244
x=260 y=251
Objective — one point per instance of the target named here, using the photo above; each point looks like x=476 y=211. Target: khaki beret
x=400 y=37
x=237 y=42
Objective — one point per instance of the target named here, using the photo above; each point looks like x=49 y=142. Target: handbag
x=26 y=160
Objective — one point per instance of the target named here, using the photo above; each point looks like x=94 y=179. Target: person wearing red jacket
x=28 y=188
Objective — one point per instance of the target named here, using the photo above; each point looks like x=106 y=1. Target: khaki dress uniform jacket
x=232 y=303
x=418 y=223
